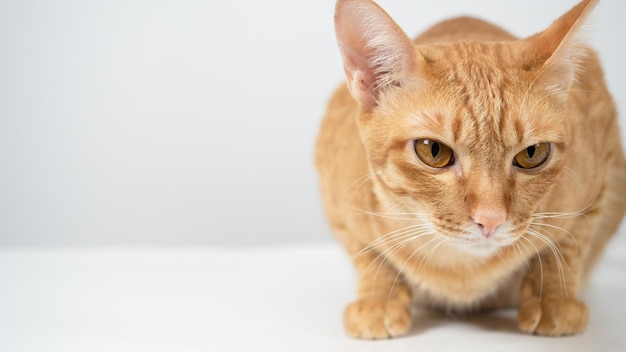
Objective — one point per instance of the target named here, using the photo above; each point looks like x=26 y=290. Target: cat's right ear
x=377 y=54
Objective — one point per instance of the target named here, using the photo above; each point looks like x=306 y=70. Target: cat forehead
x=477 y=94
x=482 y=91
x=479 y=66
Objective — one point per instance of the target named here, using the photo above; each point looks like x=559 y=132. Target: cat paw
x=377 y=318
x=553 y=316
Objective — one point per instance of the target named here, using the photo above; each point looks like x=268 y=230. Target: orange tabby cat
x=469 y=169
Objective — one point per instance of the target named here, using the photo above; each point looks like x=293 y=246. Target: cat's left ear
x=558 y=50
x=377 y=54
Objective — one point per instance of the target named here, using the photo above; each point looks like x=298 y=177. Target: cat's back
x=463 y=29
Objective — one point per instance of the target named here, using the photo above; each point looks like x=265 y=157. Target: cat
x=469 y=170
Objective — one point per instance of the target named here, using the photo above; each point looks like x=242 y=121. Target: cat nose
x=489 y=220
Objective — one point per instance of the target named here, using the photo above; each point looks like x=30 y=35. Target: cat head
x=469 y=136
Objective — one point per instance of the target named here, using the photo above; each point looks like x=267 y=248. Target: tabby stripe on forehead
x=467 y=109
x=519 y=130
x=503 y=85
x=457 y=127
x=503 y=122
x=465 y=92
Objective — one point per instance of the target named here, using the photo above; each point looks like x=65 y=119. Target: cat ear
x=377 y=54
x=560 y=48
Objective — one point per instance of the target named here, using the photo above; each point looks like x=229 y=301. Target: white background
x=133 y=299
x=192 y=122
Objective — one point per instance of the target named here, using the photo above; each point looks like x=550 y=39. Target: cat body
x=468 y=169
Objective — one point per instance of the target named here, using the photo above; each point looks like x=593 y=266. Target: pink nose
x=489 y=220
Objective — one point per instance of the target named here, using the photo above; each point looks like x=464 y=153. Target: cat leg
x=383 y=305
x=548 y=300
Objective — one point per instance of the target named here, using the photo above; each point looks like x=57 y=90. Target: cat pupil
x=435 y=149
x=531 y=151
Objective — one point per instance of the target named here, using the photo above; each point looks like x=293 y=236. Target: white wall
x=187 y=122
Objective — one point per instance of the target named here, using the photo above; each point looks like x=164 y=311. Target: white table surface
x=261 y=299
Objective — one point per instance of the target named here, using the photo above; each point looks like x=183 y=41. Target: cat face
x=473 y=146
x=469 y=137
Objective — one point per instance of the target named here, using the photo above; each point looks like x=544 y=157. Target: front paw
x=377 y=318
x=553 y=316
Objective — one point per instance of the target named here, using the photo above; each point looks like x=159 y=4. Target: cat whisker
x=390 y=252
x=398 y=243
x=518 y=245
x=557 y=215
x=548 y=234
x=589 y=91
x=539 y=225
x=553 y=245
x=387 y=215
x=556 y=245
x=361 y=181
x=558 y=256
x=499 y=254
x=436 y=238
x=565 y=215
x=385 y=255
x=540 y=265
x=445 y=239
x=592 y=205
x=573 y=174
x=390 y=237
x=403 y=236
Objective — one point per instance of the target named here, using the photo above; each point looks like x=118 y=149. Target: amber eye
x=433 y=153
x=533 y=156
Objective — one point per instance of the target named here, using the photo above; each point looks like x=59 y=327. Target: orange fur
x=480 y=233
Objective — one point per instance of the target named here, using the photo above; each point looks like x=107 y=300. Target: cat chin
x=479 y=249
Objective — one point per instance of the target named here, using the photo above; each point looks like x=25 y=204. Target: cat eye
x=433 y=153
x=533 y=156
